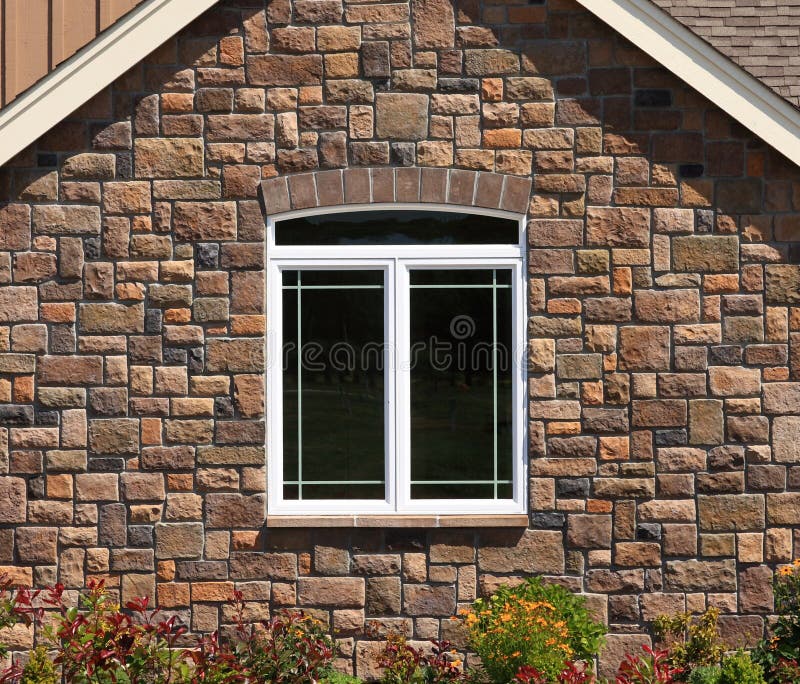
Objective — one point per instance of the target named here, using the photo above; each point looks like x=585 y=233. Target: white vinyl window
x=395 y=381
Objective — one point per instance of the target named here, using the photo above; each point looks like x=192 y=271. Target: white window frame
x=395 y=260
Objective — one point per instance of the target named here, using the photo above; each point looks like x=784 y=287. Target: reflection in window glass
x=397 y=228
x=461 y=384
x=333 y=384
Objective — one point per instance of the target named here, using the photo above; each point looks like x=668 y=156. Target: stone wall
x=663 y=293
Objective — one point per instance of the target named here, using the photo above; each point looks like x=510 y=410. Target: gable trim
x=86 y=73
x=708 y=71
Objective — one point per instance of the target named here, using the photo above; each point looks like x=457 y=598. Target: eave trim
x=94 y=67
x=708 y=71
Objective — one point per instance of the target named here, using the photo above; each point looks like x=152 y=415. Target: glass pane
x=333 y=388
x=397 y=228
x=461 y=384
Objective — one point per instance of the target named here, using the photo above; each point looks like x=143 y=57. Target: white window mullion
x=403 y=379
x=390 y=383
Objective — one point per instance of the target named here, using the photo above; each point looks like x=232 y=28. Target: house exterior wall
x=662 y=295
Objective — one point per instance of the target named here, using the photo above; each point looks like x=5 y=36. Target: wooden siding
x=37 y=35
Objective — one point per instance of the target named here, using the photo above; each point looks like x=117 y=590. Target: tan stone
x=731 y=512
x=618 y=227
x=331 y=591
x=706 y=253
x=535 y=551
x=179 y=540
x=401 y=116
x=18 y=304
x=205 y=220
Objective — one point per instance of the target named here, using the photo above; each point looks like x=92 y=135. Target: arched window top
x=496 y=192
x=397 y=225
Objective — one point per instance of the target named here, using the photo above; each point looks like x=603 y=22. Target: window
x=395 y=382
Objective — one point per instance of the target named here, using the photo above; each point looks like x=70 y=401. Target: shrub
x=334 y=677
x=693 y=641
x=535 y=624
x=785 y=671
x=289 y=648
x=652 y=668
x=97 y=643
x=572 y=674
x=404 y=664
x=739 y=668
x=39 y=669
x=706 y=674
x=780 y=655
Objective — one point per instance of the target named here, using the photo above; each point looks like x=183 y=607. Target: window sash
x=396 y=263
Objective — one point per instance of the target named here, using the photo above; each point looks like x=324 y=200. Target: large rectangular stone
x=618 y=226
x=66 y=219
x=696 y=575
x=667 y=306
x=114 y=436
x=204 y=221
x=70 y=370
x=706 y=253
x=110 y=317
x=284 y=70
x=168 y=157
x=731 y=512
x=782 y=398
x=783 y=508
x=331 y=591
x=782 y=283
x=18 y=304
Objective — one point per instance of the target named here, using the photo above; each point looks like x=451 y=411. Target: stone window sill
x=415 y=521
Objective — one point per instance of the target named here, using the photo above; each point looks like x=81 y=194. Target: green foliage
x=706 y=674
x=334 y=677
x=540 y=625
x=779 y=656
x=289 y=648
x=739 y=668
x=693 y=640
x=39 y=669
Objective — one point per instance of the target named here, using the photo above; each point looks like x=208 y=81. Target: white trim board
x=86 y=73
x=666 y=40
x=708 y=71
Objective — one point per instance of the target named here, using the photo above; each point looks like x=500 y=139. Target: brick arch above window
x=387 y=185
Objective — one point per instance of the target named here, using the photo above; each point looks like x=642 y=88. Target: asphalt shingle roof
x=761 y=36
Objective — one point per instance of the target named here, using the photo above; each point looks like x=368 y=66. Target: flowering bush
x=652 y=668
x=540 y=625
x=571 y=674
x=780 y=655
x=404 y=664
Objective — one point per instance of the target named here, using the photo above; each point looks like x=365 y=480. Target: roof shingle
x=761 y=36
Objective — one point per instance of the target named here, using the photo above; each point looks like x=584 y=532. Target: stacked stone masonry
x=663 y=301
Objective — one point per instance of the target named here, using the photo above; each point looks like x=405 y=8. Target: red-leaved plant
x=652 y=668
x=404 y=664
x=96 y=642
